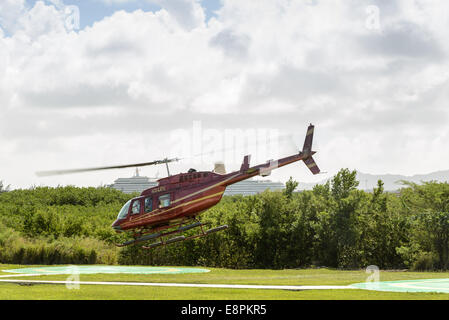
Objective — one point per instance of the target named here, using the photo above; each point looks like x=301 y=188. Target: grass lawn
x=219 y=276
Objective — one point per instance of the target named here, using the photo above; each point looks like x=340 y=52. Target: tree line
x=334 y=225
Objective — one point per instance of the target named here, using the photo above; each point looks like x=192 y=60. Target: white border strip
x=22 y=275
x=189 y=285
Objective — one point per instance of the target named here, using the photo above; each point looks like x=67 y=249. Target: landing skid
x=184 y=238
x=161 y=235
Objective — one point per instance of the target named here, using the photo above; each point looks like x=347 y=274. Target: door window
x=135 y=209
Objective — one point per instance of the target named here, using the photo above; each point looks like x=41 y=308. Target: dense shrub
x=334 y=225
x=14 y=249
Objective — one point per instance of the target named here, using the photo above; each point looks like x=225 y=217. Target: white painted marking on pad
x=189 y=285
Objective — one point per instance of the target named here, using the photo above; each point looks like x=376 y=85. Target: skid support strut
x=184 y=238
x=161 y=235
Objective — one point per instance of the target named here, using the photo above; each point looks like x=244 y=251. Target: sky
x=107 y=82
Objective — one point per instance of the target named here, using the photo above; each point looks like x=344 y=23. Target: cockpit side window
x=124 y=211
x=135 y=209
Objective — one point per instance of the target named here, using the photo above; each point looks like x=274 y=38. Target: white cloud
x=278 y=64
x=188 y=13
x=10 y=11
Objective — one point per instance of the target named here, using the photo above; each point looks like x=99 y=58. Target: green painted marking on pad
x=424 y=285
x=105 y=269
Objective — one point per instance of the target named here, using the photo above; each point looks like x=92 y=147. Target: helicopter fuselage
x=186 y=195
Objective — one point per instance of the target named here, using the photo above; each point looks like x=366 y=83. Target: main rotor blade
x=143 y=164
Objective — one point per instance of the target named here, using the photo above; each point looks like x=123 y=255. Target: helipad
x=105 y=269
x=425 y=285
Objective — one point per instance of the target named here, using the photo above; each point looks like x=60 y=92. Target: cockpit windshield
x=122 y=214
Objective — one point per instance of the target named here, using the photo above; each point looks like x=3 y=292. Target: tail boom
x=246 y=171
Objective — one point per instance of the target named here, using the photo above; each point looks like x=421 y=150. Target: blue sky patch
x=95 y=10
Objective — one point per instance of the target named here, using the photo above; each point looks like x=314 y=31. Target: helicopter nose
x=116 y=226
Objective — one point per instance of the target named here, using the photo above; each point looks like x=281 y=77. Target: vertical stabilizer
x=307 y=151
x=307 y=148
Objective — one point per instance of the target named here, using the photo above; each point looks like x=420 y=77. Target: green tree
x=346 y=200
x=290 y=187
x=427 y=206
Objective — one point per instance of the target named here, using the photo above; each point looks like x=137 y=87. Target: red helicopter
x=174 y=205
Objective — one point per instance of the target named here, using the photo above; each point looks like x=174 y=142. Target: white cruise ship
x=252 y=187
